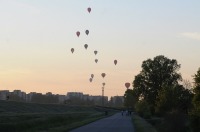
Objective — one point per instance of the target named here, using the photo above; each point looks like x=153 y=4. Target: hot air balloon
x=92 y=75
x=72 y=50
x=89 y=9
x=86 y=46
x=103 y=75
x=95 y=52
x=86 y=32
x=115 y=62
x=96 y=60
x=78 y=33
x=90 y=79
x=127 y=85
x=103 y=84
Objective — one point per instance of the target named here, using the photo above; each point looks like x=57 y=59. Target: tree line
x=159 y=90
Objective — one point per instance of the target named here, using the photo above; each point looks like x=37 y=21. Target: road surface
x=115 y=123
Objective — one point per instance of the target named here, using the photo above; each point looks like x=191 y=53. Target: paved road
x=115 y=123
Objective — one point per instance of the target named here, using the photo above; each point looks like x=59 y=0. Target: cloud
x=191 y=35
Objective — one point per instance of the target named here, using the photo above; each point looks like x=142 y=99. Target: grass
x=42 y=122
x=30 y=117
x=141 y=125
x=20 y=107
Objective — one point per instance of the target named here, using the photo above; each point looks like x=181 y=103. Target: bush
x=175 y=122
x=195 y=122
x=143 y=109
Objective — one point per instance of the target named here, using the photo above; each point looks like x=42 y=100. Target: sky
x=36 y=38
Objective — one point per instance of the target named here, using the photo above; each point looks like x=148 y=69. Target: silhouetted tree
x=187 y=84
x=195 y=115
x=130 y=98
x=155 y=74
x=143 y=109
x=173 y=98
x=196 y=99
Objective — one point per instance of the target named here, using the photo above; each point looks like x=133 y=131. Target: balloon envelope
x=115 y=62
x=92 y=75
x=103 y=75
x=86 y=32
x=103 y=84
x=95 y=52
x=127 y=85
x=89 y=9
x=96 y=60
x=78 y=33
x=72 y=50
x=86 y=46
x=90 y=79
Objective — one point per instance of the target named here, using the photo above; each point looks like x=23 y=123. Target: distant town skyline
x=36 y=38
x=73 y=98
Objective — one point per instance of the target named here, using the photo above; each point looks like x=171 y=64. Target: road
x=115 y=123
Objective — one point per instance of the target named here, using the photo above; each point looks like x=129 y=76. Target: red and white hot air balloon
x=95 y=52
x=72 y=50
x=115 y=62
x=78 y=33
x=103 y=75
x=89 y=9
x=127 y=85
x=86 y=46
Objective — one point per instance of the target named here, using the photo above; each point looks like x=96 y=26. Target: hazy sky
x=36 y=37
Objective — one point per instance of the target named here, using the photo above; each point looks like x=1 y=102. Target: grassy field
x=141 y=125
x=18 y=116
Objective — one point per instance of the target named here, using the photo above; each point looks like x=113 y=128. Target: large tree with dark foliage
x=130 y=98
x=196 y=99
x=155 y=74
x=173 y=98
x=195 y=114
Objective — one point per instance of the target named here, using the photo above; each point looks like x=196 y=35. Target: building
x=29 y=96
x=115 y=98
x=18 y=93
x=75 y=94
x=117 y=101
x=98 y=100
x=72 y=97
x=23 y=96
x=86 y=97
x=4 y=94
x=61 y=98
x=49 y=94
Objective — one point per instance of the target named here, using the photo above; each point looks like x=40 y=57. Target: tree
x=187 y=84
x=195 y=114
x=197 y=78
x=155 y=74
x=196 y=99
x=175 y=98
x=130 y=98
x=143 y=109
